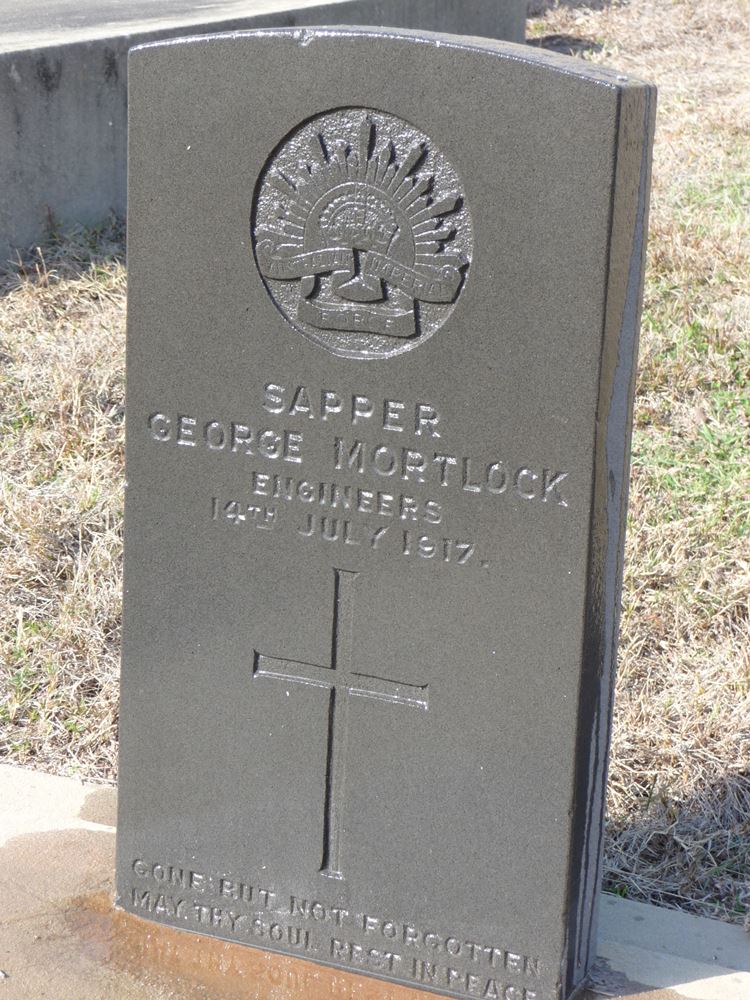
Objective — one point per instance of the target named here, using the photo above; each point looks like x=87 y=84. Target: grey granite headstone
x=384 y=295
x=63 y=86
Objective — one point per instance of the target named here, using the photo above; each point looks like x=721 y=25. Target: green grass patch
x=703 y=476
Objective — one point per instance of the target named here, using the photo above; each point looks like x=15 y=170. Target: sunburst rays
x=398 y=178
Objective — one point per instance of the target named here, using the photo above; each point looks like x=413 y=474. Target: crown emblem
x=361 y=233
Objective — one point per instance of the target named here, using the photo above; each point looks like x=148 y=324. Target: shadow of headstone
x=537 y=8
x=568 y=45
x=690 y=854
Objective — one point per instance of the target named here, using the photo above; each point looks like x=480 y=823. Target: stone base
x=63 y=86
x=61 y=937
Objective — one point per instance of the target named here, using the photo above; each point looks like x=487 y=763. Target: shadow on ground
x=69 y=254
x=568 y=45
x=537 y=8
x=691 y=855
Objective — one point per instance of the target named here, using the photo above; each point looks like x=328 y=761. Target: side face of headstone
x=383 y=307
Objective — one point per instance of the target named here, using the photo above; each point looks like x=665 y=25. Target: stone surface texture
x=63 y=87
x=60 y=936
x=372 y=720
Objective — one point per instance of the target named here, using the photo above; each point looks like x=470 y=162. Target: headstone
x=63 y=86
x=384 y=295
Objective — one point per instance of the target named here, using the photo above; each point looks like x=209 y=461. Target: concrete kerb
x=63 y=87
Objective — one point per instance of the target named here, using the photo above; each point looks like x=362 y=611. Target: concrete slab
x=63 y=86
x=694 y=957
x=55 y=22
x=60 y=936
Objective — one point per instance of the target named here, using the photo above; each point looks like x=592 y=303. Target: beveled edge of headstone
x=567 y=65
x=628 y=228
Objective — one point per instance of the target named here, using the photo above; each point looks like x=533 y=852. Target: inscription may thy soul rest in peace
x=243 y=911
x=335 y=511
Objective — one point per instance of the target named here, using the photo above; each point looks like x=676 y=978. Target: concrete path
x=61 y=938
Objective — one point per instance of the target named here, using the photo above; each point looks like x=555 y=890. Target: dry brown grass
x=61 y=436
x=679 y=794
x=679 y=790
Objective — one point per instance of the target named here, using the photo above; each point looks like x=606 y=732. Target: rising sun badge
x=361 y=233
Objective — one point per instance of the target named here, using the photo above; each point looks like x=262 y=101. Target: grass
x=61 y=437
x=678 y=827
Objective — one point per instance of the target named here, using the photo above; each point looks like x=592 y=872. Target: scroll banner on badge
x=426 y=282
x=287 y=267
x=434 y=280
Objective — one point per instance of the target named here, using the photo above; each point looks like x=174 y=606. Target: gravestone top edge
x=565 y=65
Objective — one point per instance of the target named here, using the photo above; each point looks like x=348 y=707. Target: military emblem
x=361 y=233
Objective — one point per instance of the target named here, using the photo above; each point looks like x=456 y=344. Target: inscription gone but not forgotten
x=382 y=324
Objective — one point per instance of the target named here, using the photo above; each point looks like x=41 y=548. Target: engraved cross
x=342 y=682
